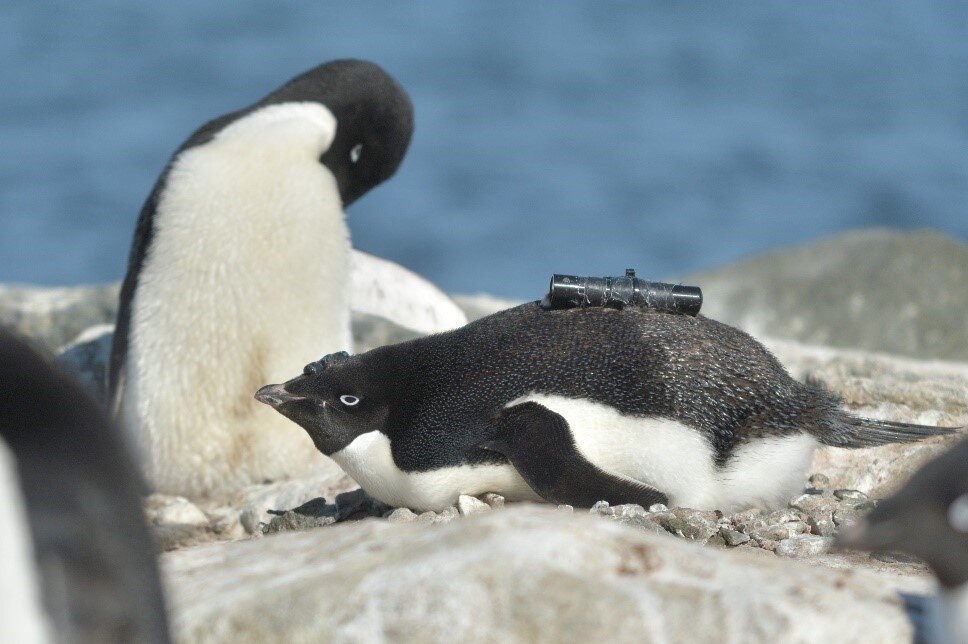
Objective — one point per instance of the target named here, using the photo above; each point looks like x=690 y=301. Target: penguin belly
x=246 y=278
x=369 y=461
x=678 y=460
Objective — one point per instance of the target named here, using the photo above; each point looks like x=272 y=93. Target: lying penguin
x=574 y=406
x=240 y=267
x=928 y=518
x=77 y=559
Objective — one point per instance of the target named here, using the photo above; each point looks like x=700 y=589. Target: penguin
x=928 y=518
x=239 y=269
x=78 y=557
x=646 y=405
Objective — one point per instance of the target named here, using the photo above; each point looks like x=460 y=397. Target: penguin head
x=360 y=122
x=927 y=518
x=334 y=400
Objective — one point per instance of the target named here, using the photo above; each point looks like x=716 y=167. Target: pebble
x=402 y=515
x=850 y=494
x=467 y=505
x=819 y=480
x=447 y=515
x=565 y=508
x=629 y=510
x=496 y=501
x=733 y=537
x=803 y=545
x=658 y=507
x=603 y=509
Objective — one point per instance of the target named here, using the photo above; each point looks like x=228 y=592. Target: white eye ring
x=356 y=153
x=348 y=400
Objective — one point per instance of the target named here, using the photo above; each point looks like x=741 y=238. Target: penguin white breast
x=678 y=460
x=369 y=461
x=22 y=617
x=245 y=280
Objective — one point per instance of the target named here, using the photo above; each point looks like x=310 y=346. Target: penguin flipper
x=539 y=444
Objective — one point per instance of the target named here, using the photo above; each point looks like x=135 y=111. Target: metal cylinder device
x=569 y=291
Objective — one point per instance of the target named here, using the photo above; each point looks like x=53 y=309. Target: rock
x=507 y=579
x=87 y=357
x=312 y=514
x=469 y=505
x=657 y=507
x=850 y=494
x=803 y=545
x=162 y=509
x=427 y=517
x=496 y=501
x=402 y=515
x=733 y=537
x=863 y=289
x=225 y=522
x=175 y=536
x=447 y=515
x=55 y=316
x=687 y=523
x=819 y=481
x=256 y=501
x=564 y=507
x=629 y=510
x=602 y=508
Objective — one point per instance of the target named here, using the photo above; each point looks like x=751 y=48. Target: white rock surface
x=162 y=509
x=526 y=574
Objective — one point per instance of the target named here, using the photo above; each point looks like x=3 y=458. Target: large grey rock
x=526 y=574
x=904 y=293
x=56 y=315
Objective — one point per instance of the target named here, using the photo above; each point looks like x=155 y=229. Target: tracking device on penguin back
x=569 y=291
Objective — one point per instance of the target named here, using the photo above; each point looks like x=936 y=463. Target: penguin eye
x=356 y=153
x=958 y=513
x=348 y=400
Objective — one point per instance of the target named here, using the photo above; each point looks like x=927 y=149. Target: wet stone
x=657 y=507
x=629 y=510
x=602 y=508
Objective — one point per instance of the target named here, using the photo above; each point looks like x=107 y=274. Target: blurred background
x=573 y=137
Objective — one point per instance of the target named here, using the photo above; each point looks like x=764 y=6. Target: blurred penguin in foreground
x=77 y=561
x=928 y=518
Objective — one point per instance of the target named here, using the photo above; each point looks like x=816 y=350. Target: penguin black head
x=374 y=121
x=335 y=400
x=927 y=518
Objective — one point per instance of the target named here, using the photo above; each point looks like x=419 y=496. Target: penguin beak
x=276 y=395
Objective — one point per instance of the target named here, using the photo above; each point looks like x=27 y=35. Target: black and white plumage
x=240 y=268
x=928 y=518
x=687 y=409
x=79 y=562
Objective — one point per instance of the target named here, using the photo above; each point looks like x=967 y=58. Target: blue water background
x=577 y=137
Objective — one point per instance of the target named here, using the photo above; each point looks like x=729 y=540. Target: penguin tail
x=854 y=432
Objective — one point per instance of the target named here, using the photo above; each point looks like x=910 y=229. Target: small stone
x=823 y=527
x=689 y=524
x=896 y=557
x=850 y=494
x=447 y=515
x=765 y=544
x=803 y=545
x=427 y=517
x=311 y=514
x=629 y=510
x=819 y=480
x=469 y=505
x=565 y=508
x=225 y=522
x=658 y=507
x=162 y=509
x=733 y=537
x=642 y=522
x=402 y=515
x=602 y=508
x=496 y=501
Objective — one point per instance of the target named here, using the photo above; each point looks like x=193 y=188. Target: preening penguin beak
x=275 y=396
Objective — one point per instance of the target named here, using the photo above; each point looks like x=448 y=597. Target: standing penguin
x=77 y=560
x=240 y=269
x=928 y=518
x=574 y=406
